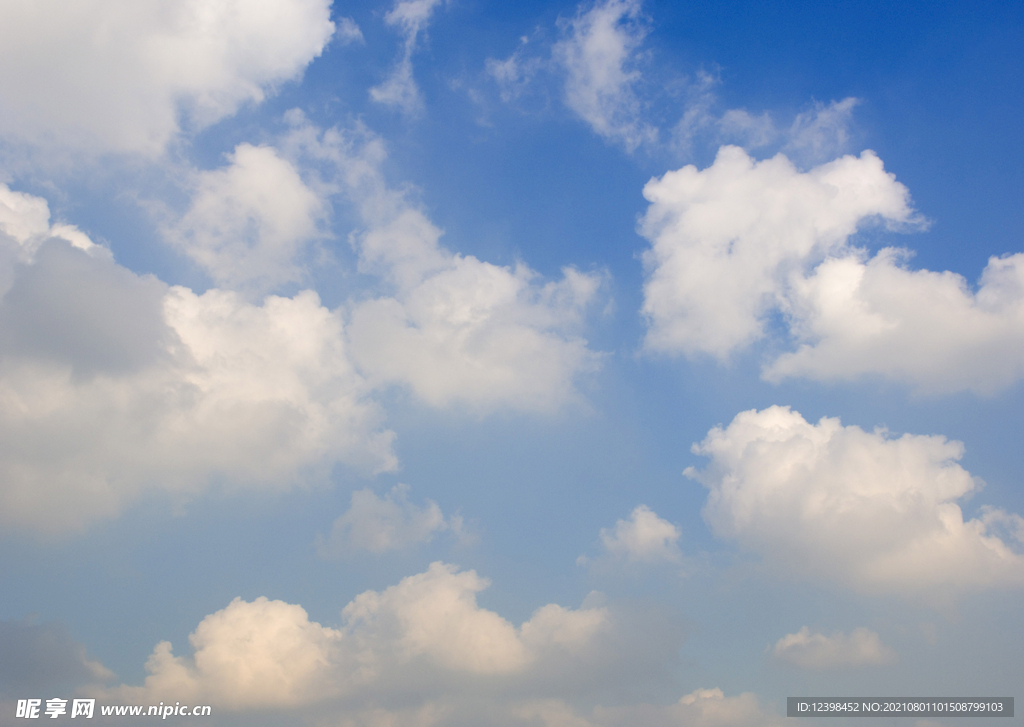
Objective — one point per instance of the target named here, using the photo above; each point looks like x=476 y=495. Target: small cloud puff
x=381 y=524
x=816 y=651
x=643 y=538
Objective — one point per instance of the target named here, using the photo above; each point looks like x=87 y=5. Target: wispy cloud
x=807 y=650
x=411 y=17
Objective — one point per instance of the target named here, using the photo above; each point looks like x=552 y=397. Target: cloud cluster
x=816 y=651
x=129 y=71
x=742 y=241
x=379 y=524
x=423 y=652
x=875 y=513
x=114 y=383
x=455 y=330
x=727 y=240
x=429 y=626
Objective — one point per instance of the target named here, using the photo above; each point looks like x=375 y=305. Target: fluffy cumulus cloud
x=643 y=538
x=876 y=513
x=741 y=241
x=248 y=222
x=817 y=651
x=726 y=241
x=423 y=652
x=597 y=53
x=857 y=315
x=462 y=331
x=129 y=70
x=411 y=17
x=268 y=653
x=379 y=524
x=454 y=329
x=114 y=383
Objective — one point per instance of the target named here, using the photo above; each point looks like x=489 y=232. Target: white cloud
x=596 y=53
x=514 y=74
x=348 y=32
x=128 y=70
x=821 y=132
x=248 y=222
x=456 y=330
x=400 y=89
x=878 y=514
x=113 y=384
x=855 y=316
x=816 y=651
x=742 y=240
x=427 y=627
x=380 y=524
x=644 y=537
x=248 y=655
x=424 y=652
x=727 y=240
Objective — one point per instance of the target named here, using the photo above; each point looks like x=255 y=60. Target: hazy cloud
x=597 y=54
x=379 y=524
x=816 y=651
x=39 y=657
x=411 y=17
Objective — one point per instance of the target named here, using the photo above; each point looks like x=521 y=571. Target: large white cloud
x=268 y=653
x=876 y=513
x=455 y=330
x=119 y=75
x=424 y=652
x=248 y=223
x=742 y=241
x=114 y=383
x=807 y=650
x=727 y=240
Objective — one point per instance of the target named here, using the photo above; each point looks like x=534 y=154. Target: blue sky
x=459 y=363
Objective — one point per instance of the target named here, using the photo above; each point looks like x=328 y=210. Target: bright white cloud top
x=876 y=513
